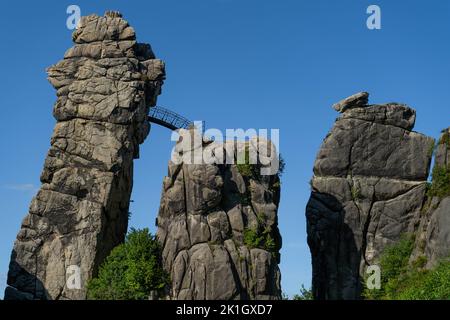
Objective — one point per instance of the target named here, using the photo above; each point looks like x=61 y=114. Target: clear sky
x=235 y=64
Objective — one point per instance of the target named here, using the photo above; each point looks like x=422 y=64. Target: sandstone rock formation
x=433 y=234
x=105 y=86
x=369 y=184
x=359 y=99
x=218 y=227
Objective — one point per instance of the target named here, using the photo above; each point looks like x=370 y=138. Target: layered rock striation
x=218 y=227
x=105 y=85
x=368 y=188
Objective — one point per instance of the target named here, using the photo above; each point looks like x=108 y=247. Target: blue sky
x=235 y=64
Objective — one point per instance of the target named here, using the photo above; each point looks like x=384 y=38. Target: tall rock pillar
x=105 y=85
x=369 y=184
x=218 y=227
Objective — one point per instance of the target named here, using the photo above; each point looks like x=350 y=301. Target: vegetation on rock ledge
x=253 y=238
x=249 y=170
x=440 y=185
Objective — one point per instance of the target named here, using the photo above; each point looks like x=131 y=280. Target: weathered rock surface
x=207 y=212
x=368 y=188
x=433 y=234
x=105 y=86
x=357 y=100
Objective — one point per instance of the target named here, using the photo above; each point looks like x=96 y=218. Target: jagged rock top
x=111 y=26
x=357 y=100
x=104 y=60
x=394 y=114
x=357 y=144
x=113 y=14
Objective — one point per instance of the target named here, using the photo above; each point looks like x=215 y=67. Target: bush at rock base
x=403 y=281
x=132 y=271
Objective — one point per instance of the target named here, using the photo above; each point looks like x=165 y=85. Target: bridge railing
x=168 y=119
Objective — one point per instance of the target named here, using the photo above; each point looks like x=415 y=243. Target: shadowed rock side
x=206 y=212
x=433 y=235
x=368 y=188
x=105 y=85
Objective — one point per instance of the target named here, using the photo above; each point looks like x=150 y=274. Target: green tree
x=305 y=294
x=131 y=271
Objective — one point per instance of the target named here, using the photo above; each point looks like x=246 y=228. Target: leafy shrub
x=252 y=170
x=394 y=259
x=246 y=169
x=440 y=183
x=401 y=281
x=131 y=271
x=253 y=238
x=269 y=243
x=440 y=186
x=393 y=264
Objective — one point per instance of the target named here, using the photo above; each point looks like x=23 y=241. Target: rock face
x=433 y=235
x=218 y=228
x=105 y=86
x=359 y=99
x=368 y=188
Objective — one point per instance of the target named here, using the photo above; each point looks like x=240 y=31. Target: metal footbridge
x=168 y=119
